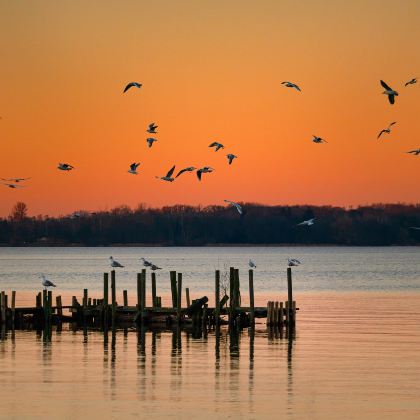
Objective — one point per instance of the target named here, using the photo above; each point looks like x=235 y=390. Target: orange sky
x=211 y=71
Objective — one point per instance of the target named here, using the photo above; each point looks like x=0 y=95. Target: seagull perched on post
x=292 y=262
x=204 y=170
x=230 y=158
x=168 y=176
x=132 y=84
x=291 y=85
x=189 y=169
x=251 y=264
x=152 y=128
x=309 y=222
x=145 y=262
x=46 y=283
x=217 y=146
x=17 y=180
x=318 y=140
x=154 y=267
x=236 y=205
x=65 y=167
x=150 y=141
x=115 y=264
x=390 y=92
x=414 y=152
x=133 y=168
x=13 y=186
x=386 y=130
x=412 y=81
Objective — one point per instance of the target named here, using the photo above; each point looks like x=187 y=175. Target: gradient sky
x=211 y=71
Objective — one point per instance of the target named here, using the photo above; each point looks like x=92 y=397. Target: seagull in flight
x=17 y=180
x=251 y=264
x=154 y=267
x=132 y=84
x=152 y=128
x=415 y=227
x=309 y=222
x=133 y=168
x=150 y=141
x=236 y=205
x=13 y=185
x=145 y=262
x=390 y=92
x=230 y=158
x=65 y=167
x=46 y=283
x=204 y=170
x=115 y=264
x=412 y=81
x=386 y=130
x=414 y=152
x=189 y=169
x=292 y=262
x=291 y=85
x=168 y=176
x=217 y=146
x=318 y=140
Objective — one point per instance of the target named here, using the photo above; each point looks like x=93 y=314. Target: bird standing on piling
x=145 y=262
x=115 y=264
x=154 y=267
x=251 y=264
x=46 y=283
x=293 y=262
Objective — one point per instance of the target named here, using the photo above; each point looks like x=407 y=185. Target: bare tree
x=19 y=212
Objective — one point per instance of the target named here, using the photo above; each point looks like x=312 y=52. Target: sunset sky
x=211 y=70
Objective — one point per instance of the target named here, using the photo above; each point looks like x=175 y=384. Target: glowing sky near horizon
x=211 y=70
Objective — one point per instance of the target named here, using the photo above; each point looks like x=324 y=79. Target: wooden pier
x=104 y=312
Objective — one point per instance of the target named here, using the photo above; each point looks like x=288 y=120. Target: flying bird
x=17 y=180
x=46 y=283
x=150 y=141
x=414 y=152
x=390 y=92
x=145 y=262
x=217 y=146
x=204 y=170
x=309 y=222
x=236 y=205
x=251 y=264
x=189 y=169
x=291 y=85
x=386 y=130
x=318 y=140
x=292 y=262
x=154 y=267
x=230 y=158
x=168 y=176
x=415 y=227
x=132 y=84
x=133 y=168
x=13 y=185
x=65 y=167
x=412 y=81
x=114 y=264
x=152 y=128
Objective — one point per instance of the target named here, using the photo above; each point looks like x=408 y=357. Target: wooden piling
x=187 y=296
x=276 y=314
x=139 y=291
x=289 y=293
x=49 y=307
x=38 y=301
x=179 y=298
x=105 y=303
x=143 y=290
x=154 y=290
x=59 y=304
x=281 y=314
x=237 y=289
x=231 y=294
x=125 y=298
x=217 y=297
x=113 y=300
x=173 y=288
x=85 y=298
x=3 y=307
x=251 y=296
x=286 y=304
x=13 y=308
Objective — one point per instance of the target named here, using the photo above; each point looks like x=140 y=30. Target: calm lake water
x=355 y=354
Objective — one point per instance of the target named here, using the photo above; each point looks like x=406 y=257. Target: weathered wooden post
x=49 y=307
x=59 y=304
x=85 y=299
x=143 y=290
x=289 y=295
x=276 y=314
x=179 y=298
x=13 y=308
x=251 y=296
x=3 y=307
x=139 y=292
x=125 y=298
x=187 y=296
x=154 y=290
x=237 y=289
x=287 y=313
x=105 y=303
x=232 y=294
x=172 y=275
x=217 y=297
x=281 y=314
x=113 y=300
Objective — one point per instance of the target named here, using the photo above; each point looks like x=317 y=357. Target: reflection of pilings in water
x=290 y=336
x=234 y=335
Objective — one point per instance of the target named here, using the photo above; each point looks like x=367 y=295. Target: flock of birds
x=291 y=262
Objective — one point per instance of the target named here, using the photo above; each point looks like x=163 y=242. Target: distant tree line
x=380 y=224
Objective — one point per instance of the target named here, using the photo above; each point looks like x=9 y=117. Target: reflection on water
x=351 y=356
